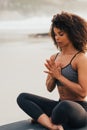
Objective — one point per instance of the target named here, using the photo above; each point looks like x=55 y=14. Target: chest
x=66 y=60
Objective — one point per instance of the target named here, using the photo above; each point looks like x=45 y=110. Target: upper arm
x=82 y=73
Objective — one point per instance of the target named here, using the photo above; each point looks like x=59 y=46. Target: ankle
x=60 y=127
x=53 y=127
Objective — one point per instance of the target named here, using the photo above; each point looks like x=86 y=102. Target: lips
x=59 y=42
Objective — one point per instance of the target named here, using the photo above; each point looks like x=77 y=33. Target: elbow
x=50 y=90
x=49 y=87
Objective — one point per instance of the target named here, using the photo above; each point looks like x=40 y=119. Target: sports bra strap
x=56 y=56
x=71 y=59
x=74 y=56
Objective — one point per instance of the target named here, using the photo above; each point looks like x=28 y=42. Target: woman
x=67 y=70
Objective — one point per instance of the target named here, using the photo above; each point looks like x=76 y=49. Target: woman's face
x=61 y=38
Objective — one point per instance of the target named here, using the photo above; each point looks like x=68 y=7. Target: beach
x=21 y=70
x=24 y=47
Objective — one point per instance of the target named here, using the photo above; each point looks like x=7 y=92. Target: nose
x=57 y=37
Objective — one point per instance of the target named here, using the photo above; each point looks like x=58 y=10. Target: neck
x=68 y=50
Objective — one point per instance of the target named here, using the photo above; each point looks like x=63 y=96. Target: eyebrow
x=61 y=31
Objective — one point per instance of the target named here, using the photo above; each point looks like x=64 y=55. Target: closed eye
x=61 y=33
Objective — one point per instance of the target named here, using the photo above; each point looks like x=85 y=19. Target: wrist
x=52 y=78
x=60 y=78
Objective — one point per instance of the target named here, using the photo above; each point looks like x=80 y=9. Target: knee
x=20 y=98
x=63 y=107
x=60 y=112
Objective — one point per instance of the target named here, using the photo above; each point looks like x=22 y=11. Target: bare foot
x=54 y=127
x=60 y=127
x=57 y=127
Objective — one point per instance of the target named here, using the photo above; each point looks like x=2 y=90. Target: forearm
x=74 y=87
x=50 y=83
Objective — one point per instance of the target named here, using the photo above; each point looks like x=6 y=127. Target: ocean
x=23 y=52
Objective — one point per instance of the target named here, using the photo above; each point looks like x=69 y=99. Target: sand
x=21 y=70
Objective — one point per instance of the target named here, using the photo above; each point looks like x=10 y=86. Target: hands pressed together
x=53 y=68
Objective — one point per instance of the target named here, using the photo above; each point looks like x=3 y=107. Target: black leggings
x=66 y=112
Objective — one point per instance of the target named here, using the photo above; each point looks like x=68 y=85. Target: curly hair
x=75 y=27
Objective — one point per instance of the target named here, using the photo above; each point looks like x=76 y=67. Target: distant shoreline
x=39 y=35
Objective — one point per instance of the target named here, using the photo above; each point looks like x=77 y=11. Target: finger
x=49 y=62
x=48 y=72
x=45 y=71
x=52 y=58
x=47 y=66
x=52 y=61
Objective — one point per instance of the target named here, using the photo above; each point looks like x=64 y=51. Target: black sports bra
x=69 y=72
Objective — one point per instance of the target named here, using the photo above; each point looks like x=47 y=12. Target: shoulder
x=82 y=59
